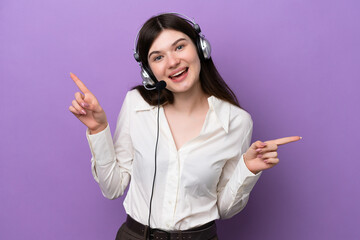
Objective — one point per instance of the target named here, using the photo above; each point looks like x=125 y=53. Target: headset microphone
x=160 y=85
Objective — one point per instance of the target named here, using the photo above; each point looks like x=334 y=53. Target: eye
x=157 y=58
x=179 y=47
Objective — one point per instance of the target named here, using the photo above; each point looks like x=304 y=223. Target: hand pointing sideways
x=87 y=109
x=263 y=155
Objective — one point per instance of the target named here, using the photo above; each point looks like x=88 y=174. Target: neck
x=190 y=101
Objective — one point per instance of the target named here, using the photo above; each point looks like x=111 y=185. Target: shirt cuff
x=246 y=177
x=244 y=169
x=101 y=145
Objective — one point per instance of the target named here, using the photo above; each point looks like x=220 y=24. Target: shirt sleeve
x=111 y=161
x=236 y=182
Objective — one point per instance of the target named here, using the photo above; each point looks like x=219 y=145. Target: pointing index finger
x=79 y=83
x=285 y=140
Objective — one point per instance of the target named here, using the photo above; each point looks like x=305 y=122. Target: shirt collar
x=220 y=107
x=143 y=106
x=222 y=111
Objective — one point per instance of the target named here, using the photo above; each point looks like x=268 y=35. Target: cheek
x=196 y=60
x=156 y=69
x=197 y=65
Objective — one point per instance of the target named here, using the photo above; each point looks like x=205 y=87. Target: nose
x=173 y=60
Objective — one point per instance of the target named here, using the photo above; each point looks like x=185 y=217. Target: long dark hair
x=210 y=79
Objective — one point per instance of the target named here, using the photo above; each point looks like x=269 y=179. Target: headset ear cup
x=197 y=28
x=204 y=48
x=136 y=56
x=146 y=78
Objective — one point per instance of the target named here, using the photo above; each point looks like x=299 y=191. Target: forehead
x=166 y=38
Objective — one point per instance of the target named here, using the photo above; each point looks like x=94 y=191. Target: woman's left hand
x=263 y=155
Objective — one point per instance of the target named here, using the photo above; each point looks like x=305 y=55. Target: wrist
x=248 y=165
x=98 y=129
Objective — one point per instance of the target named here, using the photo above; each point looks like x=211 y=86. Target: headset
x=202 y=45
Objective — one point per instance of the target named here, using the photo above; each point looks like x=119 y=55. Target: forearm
x=235 y=194
x=112 y=172
x=112 y=179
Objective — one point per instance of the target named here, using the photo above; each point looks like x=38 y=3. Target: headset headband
x=192 y=21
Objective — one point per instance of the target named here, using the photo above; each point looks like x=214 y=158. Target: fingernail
x=266 y=161
x=84 y=104
x=258 y=150
x=259 y=156
x=263 y=144
x=83 y=112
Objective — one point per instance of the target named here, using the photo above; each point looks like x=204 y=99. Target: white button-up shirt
x=206 y=179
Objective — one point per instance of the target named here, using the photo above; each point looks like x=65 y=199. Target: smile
x=179 y=75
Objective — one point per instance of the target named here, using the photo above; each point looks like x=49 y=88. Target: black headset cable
x=159 y=86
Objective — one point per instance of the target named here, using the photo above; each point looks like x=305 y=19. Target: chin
x=182 y=87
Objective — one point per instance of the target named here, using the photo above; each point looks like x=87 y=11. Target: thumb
x=85 y=105
x=90 y=103
x=258 y=144
x=85 y=102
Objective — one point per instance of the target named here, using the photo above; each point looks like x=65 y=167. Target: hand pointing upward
x=263 y=155
x=87 y=109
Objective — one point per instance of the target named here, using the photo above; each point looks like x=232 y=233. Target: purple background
x=293 y=64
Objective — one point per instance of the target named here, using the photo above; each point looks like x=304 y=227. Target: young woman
x=197 y=140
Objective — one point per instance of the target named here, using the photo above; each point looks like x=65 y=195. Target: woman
x=205 y=169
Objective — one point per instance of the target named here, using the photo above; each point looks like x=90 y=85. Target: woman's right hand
x=87 y=109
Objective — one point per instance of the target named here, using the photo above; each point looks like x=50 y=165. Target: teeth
x=177 y=74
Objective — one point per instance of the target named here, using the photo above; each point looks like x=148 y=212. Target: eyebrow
x=174 y=43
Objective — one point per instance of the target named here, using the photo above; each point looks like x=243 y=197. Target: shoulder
x=232 y=117
x=240 y=115
x=136 y=101
x=240 y=119
x=225 y=108
x=134 y=95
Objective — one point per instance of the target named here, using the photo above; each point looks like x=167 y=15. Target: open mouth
x=179 y=74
